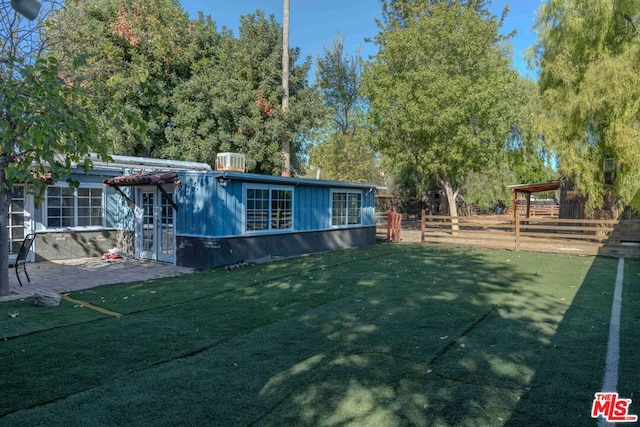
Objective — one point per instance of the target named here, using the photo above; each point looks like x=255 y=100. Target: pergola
x=527 y=190
x=144 y=178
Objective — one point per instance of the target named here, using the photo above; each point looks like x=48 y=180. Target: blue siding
x=209 y=209
x=118 y=214
x=311 y=206
x=368 y=208
x=196 y=208
x=231 y=209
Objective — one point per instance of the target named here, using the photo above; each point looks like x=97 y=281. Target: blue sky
x=314 y=23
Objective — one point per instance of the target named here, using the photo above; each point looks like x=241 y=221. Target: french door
x=155 y=237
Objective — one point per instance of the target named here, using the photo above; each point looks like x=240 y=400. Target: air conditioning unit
x=230 y=162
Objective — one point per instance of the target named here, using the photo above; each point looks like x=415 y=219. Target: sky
x=314 y=23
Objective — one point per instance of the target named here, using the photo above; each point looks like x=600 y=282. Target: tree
x=487 y=188
x=588 y=53
x=441 y=89
x=182 y=89
x=339 y=77
x=45 y=125
x=346 y=158
x=130 y=55
x=230 y=103
x=342 y=149
x=524 y=159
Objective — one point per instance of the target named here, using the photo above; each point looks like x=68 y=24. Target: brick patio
x=71 y=275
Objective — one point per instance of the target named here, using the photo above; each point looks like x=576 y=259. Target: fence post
x=388 y=225
x=517 y=232
x=423 y=226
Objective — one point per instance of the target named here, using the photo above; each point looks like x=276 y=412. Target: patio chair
x=20 y=259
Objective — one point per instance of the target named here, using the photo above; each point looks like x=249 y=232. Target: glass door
x=154 y=232
x=165 y=229
x=147 y=237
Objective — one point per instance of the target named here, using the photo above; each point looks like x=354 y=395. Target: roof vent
x=230 y=162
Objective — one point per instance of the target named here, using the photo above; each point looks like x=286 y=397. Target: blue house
x=189 y=215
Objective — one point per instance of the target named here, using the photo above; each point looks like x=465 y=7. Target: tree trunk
x=286 y=144
x=5 y=201
x=451 y=199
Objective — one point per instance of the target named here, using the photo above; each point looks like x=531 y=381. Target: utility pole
x=286 y=144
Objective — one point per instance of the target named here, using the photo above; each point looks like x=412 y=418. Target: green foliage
x=523 y=160
x=232 y=100
x=342 y=148
x=131 y=56
x=339 y=77
x=589 y=56
x=635 y=203
x=489 y=187
x=46 y=125
x=403 y=179
x=346 y=158
x=180 y=88
x=441 y=89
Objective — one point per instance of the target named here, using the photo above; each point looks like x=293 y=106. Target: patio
x=74 y=274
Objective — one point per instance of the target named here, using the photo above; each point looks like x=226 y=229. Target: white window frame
x=269 y=188
x=45 y=206
x=346 y=208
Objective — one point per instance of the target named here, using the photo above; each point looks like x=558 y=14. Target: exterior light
x=28 y=8
x=609 y=170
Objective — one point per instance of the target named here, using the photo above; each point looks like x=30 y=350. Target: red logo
x=612 y=408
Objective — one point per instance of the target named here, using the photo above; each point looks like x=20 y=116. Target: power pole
x=286 y=144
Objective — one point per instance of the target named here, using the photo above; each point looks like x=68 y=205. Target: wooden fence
x=575 y=236
x=537 y=210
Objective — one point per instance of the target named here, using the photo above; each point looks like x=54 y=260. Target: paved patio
x=75 y=274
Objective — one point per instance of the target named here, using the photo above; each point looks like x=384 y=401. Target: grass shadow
x=388 y=335
x=569 y=371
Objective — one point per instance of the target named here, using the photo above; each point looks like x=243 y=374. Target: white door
x=166 y=236
x=155 y=238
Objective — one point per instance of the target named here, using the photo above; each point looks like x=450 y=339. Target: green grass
x=387 y=335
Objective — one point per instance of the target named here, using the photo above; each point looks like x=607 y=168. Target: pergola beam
x=528 y=189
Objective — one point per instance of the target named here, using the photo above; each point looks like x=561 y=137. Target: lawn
x=388 y=335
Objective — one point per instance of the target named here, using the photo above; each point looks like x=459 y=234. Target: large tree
x=588 y=52
x=131 y=55
x=441 y=88
x=231 y=101
x=339 y=77
x=45 y=125
x=183 y=89
x=342 y=148
x=524 y=159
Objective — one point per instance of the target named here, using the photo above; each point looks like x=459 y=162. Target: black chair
x=20 y=259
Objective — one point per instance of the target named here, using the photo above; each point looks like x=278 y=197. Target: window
x=269 y=208
x=74 y=207
x=89 y=206
x=16 y=219
x=346 y=208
